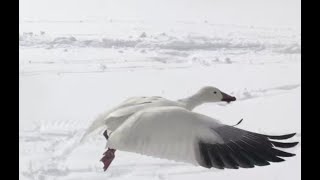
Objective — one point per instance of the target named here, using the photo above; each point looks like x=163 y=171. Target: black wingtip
x=281 y=137
x=284 y=145
x=280 y=153
x=244 y=149
x=238 y=122
x=278 y=160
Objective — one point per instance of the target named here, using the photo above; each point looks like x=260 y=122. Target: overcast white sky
x=248 y=12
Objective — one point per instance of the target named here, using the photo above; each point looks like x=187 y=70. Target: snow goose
x=178 y=134
x=116 y=116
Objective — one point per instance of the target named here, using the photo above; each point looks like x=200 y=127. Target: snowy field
x=72 y=70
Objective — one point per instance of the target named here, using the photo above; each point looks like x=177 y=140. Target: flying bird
x=113 y=118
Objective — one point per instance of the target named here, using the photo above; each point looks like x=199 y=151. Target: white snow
x=72 y=70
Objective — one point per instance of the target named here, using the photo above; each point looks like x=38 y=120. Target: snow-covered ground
x=70 y=71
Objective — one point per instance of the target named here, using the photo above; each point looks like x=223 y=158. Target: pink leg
x=108 y=158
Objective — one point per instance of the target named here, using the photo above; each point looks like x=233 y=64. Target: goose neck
x=191 y=102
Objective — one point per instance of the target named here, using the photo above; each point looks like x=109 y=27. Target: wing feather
x=178 y=134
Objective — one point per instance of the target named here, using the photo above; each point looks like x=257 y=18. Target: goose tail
x=97 y=123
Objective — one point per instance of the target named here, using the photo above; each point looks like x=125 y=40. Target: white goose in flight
x=178 y=134
x=113 y=118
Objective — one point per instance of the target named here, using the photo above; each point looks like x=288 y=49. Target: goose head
x=213 y=94
x=207 y=94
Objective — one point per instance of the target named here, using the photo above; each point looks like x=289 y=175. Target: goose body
x=116 y=117
x=178 y=134
x=113 y=118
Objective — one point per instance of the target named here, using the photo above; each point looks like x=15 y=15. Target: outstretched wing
x=244 y=149
x=177 y=134
x=114 y=117
x=134 y=104
x=117 y=117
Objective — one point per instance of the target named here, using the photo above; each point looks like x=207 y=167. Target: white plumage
x=167 y=129
x=115 y=117
x=164 y=132
x=175 y=133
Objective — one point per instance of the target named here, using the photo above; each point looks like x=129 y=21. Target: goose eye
x=215 y=92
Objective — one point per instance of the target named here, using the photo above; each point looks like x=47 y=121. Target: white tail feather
x=97 y=123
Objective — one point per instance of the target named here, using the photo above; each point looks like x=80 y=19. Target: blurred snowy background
x=81 y=57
